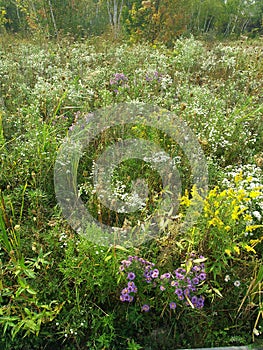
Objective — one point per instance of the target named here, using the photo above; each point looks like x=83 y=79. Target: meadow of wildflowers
x=181 y=289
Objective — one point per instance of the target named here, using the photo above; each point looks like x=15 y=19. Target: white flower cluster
x=251 y=180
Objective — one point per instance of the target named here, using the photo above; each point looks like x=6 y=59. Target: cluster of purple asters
x=180 y=286
x=127 y=294
x=142 y=262
x=153 y=76
x=119 y=80
x=185 y=284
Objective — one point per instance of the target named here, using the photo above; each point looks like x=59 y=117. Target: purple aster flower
x=126 y=297
x=172 y=305
x=166 y=275
x=179 y=291
x=200 y=302
x=130 y=289
x=179 y=273
x=131 y=284
x=196 y=268
x=174 y=283
x=179 y=276
x=126 y=263
x=162 y=288
x=181 y=270
x=202 y=276
x=155 y=273
x=187 y=292
x=145 y=308
x=147 y=274
x=131 y=276
x=118 y=77
x=194 y=300
x=195 y=280
x=130 y=298
x=125 y=291
x=180 y=297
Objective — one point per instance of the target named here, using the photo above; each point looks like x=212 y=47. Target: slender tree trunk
x=53 y=18
x=209 y=24
x=205 y=21
x=119 y=17
x=198 y=18
x=228 y=26
x=244 y=26
x=114 y=8
x=109 y=13
x=18 y=14
x=234 y=24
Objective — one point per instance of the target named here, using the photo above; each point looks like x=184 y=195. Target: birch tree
x=114 y=8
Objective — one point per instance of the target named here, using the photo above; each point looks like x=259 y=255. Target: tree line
x=153 y=20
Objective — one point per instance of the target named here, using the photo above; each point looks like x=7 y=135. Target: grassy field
x=200 y=286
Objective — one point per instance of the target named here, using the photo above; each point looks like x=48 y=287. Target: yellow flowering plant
x=225 y=229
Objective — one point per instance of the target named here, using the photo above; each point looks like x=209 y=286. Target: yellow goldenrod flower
x=236 y=249
x=185 y=199
x=228 y=252
x=213 y=192
x=250 y=249
x=251 y=228
x=235 y=213
x=238 y=177
x=254 y=194
x=241 y=194
x=216 y=222
x=248 y=217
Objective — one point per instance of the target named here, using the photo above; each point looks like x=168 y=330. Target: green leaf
x=121 y=248
x=197 y=261
x=31 y=291
x=217 y=292
x=30 y=273
x=27 y=311
x=22 y=282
